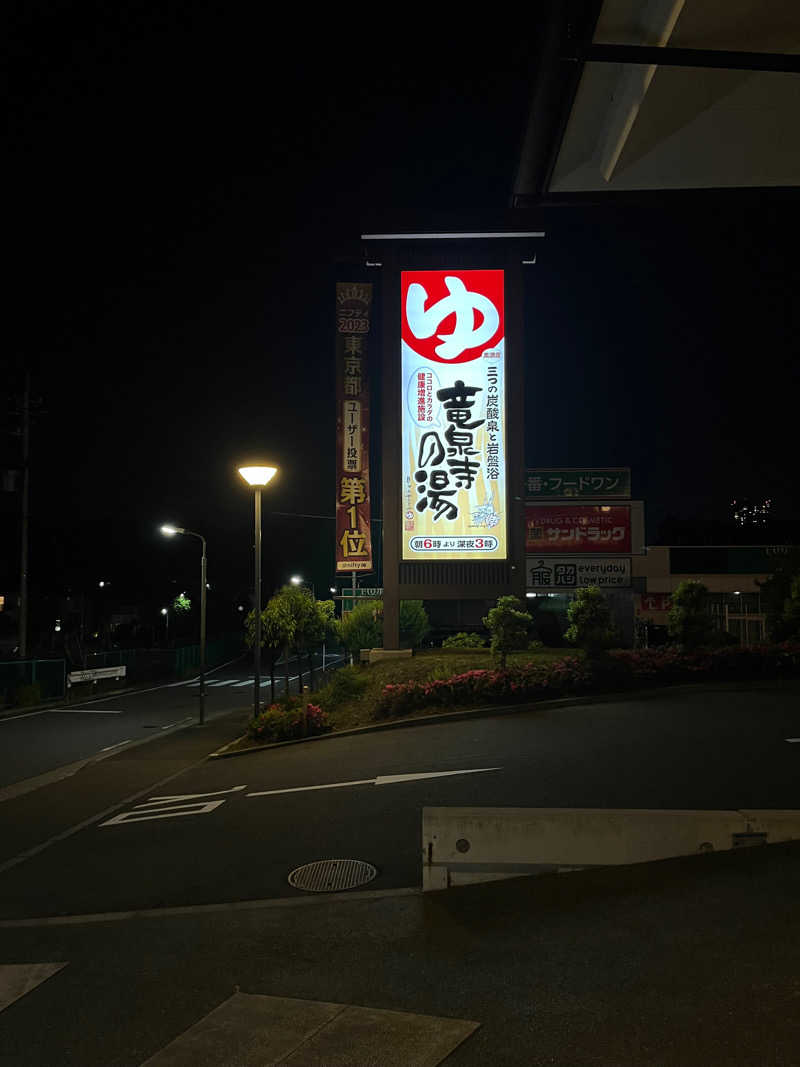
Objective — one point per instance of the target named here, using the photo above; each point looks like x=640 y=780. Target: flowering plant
x=287 y=721
x=620 y=669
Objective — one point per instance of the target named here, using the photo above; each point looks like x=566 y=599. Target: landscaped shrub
x=464 y=640
x=613 y=671
x=27 y=696
x=590 y=621
x=287 y=721
x=345 y=684
x=508 y=626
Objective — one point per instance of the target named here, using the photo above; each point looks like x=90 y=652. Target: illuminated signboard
x=353 y=541
x=579 y=528
x=453 y=415
x=577 y=572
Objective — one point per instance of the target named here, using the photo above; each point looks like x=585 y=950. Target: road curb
x=471 y=713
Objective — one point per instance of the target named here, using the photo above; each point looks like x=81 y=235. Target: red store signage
x=580 y=528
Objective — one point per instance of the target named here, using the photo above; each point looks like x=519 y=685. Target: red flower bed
x=622 y=669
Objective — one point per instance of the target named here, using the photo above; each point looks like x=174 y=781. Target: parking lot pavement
x=684 y=962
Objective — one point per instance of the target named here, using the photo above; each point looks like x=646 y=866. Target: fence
x=29 y=681
x=187 y=659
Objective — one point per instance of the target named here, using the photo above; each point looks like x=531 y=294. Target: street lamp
x=257 y=476
x=169 y=531
x=165 y=613
x=297 y=580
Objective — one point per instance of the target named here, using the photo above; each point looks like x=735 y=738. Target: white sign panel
x=576 y=572
x=453 y=415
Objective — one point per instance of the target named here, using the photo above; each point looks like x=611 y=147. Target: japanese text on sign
x=569 y=482
x=565 y=572
x=353 y=542
x=453 y=351
x=579 y=528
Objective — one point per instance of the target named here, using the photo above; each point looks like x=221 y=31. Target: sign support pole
x=392 y=454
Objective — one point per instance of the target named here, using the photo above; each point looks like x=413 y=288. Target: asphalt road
x=215 y=839
x=37 y=742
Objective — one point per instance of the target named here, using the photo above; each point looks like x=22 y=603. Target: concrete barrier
x=463 y=845
x=95 y=674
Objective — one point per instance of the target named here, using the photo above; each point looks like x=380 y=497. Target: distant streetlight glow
x=296 y=579
x=182 y=603
x=258 y=476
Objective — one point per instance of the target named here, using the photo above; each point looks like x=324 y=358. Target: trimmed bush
x=345 y=684
x=27 y=696
x=464 y=640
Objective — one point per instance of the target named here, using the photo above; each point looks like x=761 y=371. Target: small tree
x=362 y=627
x=688 y=621
x=791 y=610
x=414 y=623
x=508 y=627
x=590 y=621
x=776 y=597
x=277 y=633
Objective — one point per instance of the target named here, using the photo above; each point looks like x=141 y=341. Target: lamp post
x=165 y=613
x=257 y=476
x=170 y=531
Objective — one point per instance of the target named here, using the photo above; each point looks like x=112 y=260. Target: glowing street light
x=170 y=531
x=297 y=580
x=257 y=476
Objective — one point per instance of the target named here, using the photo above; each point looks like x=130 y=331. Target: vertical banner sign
x=353 y=541
x=453 y=415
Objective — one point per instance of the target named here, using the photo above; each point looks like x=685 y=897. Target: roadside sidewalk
x=679 y=963
x=56 y=810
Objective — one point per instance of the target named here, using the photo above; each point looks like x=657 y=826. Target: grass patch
x=347 y=710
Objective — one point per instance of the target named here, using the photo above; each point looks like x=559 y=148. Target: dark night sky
x=184 y=179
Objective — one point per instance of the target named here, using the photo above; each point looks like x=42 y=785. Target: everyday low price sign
x=556 y=573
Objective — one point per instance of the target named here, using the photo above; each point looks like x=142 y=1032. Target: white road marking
x=109 y=747
x=26 y=715
x=389 y=779
x=196 y=808
x=87 y=711
x=309 y=788
x=236 y=684
x=192 y=796
x=793 y=740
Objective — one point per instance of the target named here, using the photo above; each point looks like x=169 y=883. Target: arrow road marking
x=389 y=779
x=171 y=807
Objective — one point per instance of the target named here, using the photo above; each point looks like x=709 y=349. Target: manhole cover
x=329 y=876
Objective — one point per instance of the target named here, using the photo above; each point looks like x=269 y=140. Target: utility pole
x=23 y=575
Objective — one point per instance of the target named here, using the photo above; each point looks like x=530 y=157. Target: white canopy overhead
x=637 y=95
